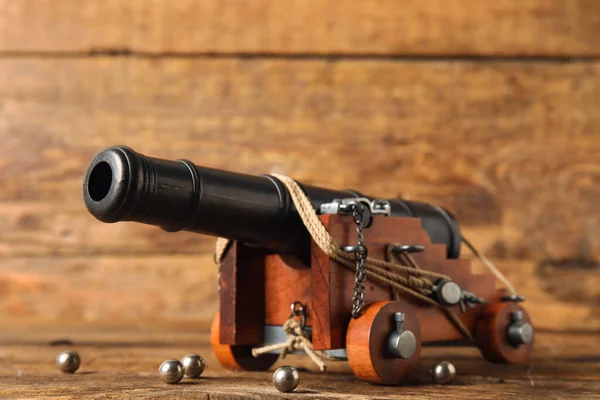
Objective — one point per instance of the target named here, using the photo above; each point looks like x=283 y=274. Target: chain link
x=358 y=299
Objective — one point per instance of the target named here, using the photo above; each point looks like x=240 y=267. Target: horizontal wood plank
x=181 y=291
x=38 y=228
x=385 y=27
x=121 y=292
x=511 y=148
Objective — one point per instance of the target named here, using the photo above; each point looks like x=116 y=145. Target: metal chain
x=358 y=299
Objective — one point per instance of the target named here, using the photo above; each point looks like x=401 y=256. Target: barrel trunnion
x=257 y=288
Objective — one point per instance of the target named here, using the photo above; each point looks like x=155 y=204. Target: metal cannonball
x=193 y=365
x=171 y=371
x=68 y=361
x=286 y=379
x=443 y=372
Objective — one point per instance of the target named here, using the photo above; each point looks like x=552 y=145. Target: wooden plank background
x=350 y=27
x=487 y=108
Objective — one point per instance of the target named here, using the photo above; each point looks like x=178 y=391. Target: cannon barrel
x=122 y=185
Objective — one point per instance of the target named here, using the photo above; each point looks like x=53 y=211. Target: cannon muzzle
x=122 y=185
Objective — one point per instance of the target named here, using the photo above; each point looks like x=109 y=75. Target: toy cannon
x=370 y=281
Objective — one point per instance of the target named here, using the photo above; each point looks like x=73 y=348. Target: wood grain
x=141 y=291
x=122 y=364
x=242 y=296
x=181 y=291
x=509 y=147
x=412 y=27
x=287 y=280
x=321 y=301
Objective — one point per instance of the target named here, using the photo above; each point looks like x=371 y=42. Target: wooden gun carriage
x=272 y=262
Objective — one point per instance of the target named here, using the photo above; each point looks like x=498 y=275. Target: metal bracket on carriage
x=348 y=206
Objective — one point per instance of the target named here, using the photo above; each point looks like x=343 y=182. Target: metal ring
x=408 y=248
x=297 y=311
x=356 y=250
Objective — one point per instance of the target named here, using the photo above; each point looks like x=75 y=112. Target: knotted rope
x=297 y=340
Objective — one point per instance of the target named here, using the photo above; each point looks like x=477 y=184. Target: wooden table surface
x=124 y=365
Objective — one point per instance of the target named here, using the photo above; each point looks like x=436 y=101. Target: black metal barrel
x=122 y=185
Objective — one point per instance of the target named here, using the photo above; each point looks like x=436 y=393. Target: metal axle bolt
x=401 y=343
x=447 y=293
x=519 y=332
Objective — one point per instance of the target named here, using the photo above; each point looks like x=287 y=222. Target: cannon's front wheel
x=238 y=358
x=379 y=352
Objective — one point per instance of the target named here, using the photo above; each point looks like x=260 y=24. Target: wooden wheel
x=238 y=358
x=367 y=343
x=491 y=334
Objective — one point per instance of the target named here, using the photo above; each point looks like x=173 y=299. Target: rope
x=490 y=266
x=324 y=240
x=449 y=313
x=417 y=278
x=297 y=340
x=389 y=256
x=415 y=284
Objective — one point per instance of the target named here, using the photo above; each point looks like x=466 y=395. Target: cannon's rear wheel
x=491 y=334
x=238 y=358
x=367 y=343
